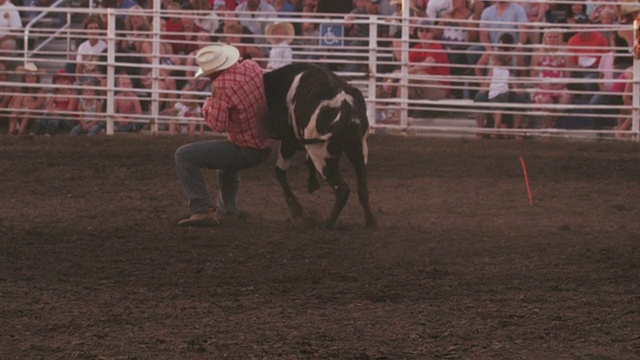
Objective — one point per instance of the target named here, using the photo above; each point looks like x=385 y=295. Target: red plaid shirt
x=238 y=105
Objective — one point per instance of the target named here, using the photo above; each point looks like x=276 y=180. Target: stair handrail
x=30 y=25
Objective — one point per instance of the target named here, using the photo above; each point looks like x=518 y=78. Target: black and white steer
x=311 y=109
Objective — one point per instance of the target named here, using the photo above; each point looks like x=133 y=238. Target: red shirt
x=594 y=45
x=238 y=105
x=175 y=35
x=421 y=51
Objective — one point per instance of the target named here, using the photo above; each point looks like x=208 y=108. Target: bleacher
x=53 y=47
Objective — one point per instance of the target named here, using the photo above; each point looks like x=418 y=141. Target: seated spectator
x=186 y=110
x=167 y=86
x=255 y=15
x=89 y=106
x=124 y=5
x=395 y=20
x=572 y=12
x=359 y=35
x=623 y=41
x=428 y=69
x=89 y=51
x=536 y=13
x=625 y=120
x=550 y=71
x=190 y=31
x=586 y=48
x=283 y=8
x=206 y=18
x=60 y=107
x=498 y=84
x=280 y=35
x=232 y=19
x=6 y=93
x=455 y=37
x=428 y=60
x=190 y=64
x=29 y=102
x=334 y=7
x=607 y=118
x=232 y=36
x=129 y=43
x=167 y=53
x=602 y=10
x=10 y=28
x=173 y=32
x=127 y=106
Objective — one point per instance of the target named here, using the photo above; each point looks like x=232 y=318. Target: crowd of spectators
x=538 y=52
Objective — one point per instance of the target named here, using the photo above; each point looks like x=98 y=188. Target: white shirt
x=86 y=49
x=499 y=82
x=436 y=9
x=280 y=55
x=9 y=19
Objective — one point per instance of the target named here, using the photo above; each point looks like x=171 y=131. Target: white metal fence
x=369 y=63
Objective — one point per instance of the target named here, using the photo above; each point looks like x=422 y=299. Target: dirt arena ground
x=460 y=266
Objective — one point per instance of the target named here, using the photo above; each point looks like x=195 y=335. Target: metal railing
x=446 y=116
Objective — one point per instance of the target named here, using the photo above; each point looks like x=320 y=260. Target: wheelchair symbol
x=330 y=38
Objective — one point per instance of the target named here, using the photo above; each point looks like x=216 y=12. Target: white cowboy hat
x=214 y=58
x=275 y=39
x=29 y=68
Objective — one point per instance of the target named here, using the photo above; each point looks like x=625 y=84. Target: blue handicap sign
x=331 y=35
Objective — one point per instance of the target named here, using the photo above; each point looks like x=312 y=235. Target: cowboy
x=237 y=106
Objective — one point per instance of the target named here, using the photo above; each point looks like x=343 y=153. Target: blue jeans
x=222 y=155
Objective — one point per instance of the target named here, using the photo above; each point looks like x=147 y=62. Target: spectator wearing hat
x=10 y=27
x=60 y=106
x=237 y=106
x=585 y=49
x=428 y=59
x=280 y=35
x=28 y=103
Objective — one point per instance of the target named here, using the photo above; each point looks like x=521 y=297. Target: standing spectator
x=90 y=50
x=10 y=27
x=498 y=85
x=237 y=106
x=280 y=35
x=127 y=105
x=550 y=71
x=502 y=16
x=586 y=48
x=27 y=104
x=255 y=15
x=89 y=106
x=60 y=107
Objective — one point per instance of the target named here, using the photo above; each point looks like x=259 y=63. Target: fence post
x=373 y=65
x=111 y=63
